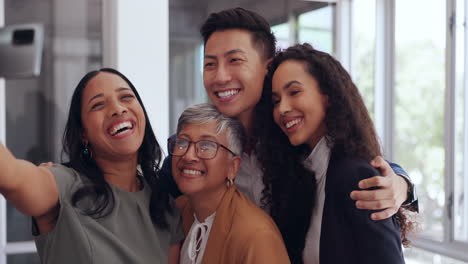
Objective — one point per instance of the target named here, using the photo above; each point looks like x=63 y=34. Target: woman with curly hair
x=314 y=150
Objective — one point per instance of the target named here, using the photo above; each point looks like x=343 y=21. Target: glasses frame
x=190 y=142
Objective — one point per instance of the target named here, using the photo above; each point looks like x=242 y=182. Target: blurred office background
x=408 y=57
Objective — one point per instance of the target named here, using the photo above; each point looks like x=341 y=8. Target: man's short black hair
x=239 y=18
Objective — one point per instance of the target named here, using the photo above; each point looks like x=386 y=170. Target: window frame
x=384 y=104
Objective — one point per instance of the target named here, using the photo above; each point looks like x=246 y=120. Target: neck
x=121 y=173
x=247 y=120
x=315 y=138
x=206 y=203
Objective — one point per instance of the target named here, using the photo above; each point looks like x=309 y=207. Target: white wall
x=135 y=42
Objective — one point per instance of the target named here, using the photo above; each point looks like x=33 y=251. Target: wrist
x=411 y=198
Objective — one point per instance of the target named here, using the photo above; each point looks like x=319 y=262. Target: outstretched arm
x=386 y=193
x=31 y=189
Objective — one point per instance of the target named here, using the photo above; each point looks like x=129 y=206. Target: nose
x=117 y=109
x=284 y=106
x=222 y=75
x=191 y=154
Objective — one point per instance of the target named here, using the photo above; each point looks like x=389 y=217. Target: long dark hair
x=96 y=187
x=350 y=131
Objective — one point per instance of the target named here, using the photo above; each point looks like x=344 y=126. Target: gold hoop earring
x=229 y=182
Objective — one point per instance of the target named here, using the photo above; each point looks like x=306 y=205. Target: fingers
x=387 y=213
x=373 y=195
x=379 y=163
x=369 y=195
x=376 y=181
x=376 y=205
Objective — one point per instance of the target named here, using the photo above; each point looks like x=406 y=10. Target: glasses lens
x=178 y=147
x=206 y=149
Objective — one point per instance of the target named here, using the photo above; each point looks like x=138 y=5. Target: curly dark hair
x=349 y=128
x=240 y=18
x=96 y=187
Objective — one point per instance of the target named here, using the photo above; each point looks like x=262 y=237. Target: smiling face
x=233 y=73
x=204 y=178
x=113 y=119
x=299 y=107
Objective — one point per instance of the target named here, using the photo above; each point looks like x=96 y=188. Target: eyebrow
x=203 y=137
x=286 y=86
x=234 y=51
x=120 y=89
x=291 y=83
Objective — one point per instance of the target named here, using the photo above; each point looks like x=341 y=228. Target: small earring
x=86 y=153
x=229 y=182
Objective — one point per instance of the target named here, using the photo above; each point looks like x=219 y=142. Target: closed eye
x=235 y=60
x=275 y=101
x=96 y=105
x=293 y=92
x=127 y=96
x=209 y=64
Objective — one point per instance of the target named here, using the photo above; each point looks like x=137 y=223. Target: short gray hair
x=205 y=113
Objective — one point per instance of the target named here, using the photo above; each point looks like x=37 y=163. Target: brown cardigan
x=241 y=232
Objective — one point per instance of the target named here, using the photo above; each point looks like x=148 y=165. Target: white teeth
x=119 y=126
x=227 y=93
x=293 y=122
x=194 y=172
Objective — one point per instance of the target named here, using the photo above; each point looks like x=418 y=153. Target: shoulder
x=249 y=218
x=256 y=234
x=347 y=171
x=65 y=177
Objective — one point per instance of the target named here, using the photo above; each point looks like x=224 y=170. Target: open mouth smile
x=292 y=124
x=226 y=95
x=120 y=128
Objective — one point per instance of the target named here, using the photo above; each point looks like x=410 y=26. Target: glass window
x=185 y=77
x=461 y=131
x=316 y=27
x=363 y=48
x=419 y=256
x=419 y=109
x=281 y=32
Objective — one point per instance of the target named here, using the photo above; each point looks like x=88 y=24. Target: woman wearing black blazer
x=314 y=150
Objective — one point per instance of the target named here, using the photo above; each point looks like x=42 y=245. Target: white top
x=317 y=162
x=249 y=182
x=194 y=245
x=249 y=178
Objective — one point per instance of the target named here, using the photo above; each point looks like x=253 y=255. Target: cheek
x=206 y=79
x=89 y=124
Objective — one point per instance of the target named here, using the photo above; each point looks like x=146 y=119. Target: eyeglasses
x=205 y=149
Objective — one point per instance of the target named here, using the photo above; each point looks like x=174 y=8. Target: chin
x=187 y=188
x=296 y=141
x=228 y=110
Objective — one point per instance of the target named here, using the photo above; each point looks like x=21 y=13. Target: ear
x=266 y=64
x=235 y=164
